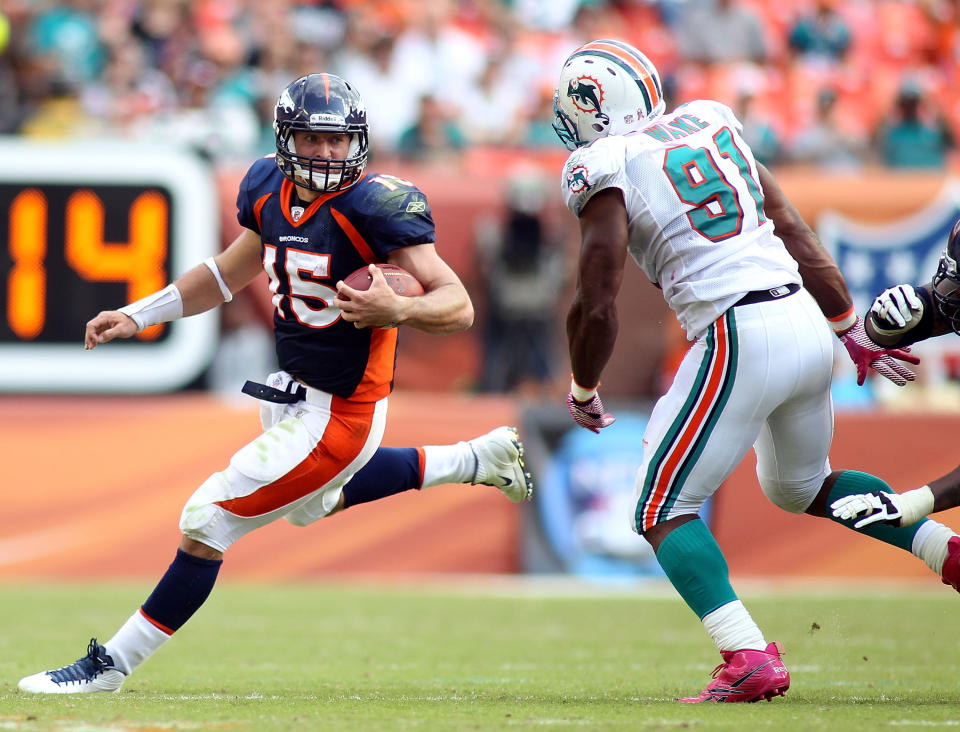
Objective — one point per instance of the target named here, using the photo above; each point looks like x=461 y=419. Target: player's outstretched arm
x=197 y=290
x=902 y=315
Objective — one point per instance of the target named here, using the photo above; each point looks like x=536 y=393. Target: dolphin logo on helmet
x=587 y=96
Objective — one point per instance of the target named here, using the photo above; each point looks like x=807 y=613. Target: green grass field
x=482 y=656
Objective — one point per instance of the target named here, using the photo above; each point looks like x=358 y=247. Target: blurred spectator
x=913 y=135
x=721 y=31
x=821 y=36
x=163 y=27
x=491 y=111
x=538 y=124
x=758 y=132
x=545 y=15
x=320 y=23
x=824 y=143
x=436 y=55
x=10 y=107
x=58 y=114
x=129 y=93
x=4 y=32
x=67 y=34
x=523 y=271
x=216 y=121
x=391 y=94
x=434 y=136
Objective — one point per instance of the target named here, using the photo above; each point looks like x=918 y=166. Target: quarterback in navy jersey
x=311 y=216
x=308 y=247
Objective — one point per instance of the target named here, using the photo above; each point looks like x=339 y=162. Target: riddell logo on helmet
x=326 y=119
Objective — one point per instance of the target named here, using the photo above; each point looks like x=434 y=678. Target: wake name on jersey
x=695 y=219
x=683 y=126
x=305 y=256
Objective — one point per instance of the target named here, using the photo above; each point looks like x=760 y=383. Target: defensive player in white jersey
x=755 y=292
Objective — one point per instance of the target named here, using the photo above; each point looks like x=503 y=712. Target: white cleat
x=499 y=455
x=93 y=672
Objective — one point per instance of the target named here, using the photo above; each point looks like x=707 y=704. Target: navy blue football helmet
x=321 y=103
x=946 y=282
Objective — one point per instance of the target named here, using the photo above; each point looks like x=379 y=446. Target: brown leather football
x=400 y=281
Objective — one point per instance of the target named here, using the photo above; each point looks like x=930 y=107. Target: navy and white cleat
x=93 y=672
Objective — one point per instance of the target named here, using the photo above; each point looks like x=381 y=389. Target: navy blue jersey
x=305 y=255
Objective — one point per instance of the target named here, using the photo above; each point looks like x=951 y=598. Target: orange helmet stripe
x=634 y=63
x=326 y=85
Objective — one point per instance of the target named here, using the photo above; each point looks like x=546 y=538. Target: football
x=400 y=281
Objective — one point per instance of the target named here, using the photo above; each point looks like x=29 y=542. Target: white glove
x=897 y=306
x=892 y=509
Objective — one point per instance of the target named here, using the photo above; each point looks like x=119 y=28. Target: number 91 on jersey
x=91 y=227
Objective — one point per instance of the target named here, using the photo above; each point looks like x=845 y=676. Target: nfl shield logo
x=874 y=257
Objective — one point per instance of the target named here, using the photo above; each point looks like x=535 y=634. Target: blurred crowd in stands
x=837 y=83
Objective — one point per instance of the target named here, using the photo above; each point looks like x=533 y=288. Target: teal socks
x=694 y=564
x=851 y=482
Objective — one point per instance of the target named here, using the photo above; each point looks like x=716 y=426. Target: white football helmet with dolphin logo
x=606 y=87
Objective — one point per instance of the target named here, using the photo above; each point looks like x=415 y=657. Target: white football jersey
x=694 y=206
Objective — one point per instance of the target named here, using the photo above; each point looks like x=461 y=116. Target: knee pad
x=794 y=496
x=200 y=516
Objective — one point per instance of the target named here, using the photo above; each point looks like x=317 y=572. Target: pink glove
x=590 y=413
x=866 y=354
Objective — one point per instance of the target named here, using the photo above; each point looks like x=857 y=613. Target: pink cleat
x=950 y=573
x=747 y=676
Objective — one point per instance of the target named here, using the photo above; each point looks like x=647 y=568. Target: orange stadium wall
x=102 y=509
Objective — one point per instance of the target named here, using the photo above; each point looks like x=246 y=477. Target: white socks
x=135 y=642
x=732 y=629
x=448 y=464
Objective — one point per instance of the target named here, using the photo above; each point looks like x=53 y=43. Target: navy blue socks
x=390 y=470
x=182 y=590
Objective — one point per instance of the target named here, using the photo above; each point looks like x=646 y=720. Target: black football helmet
x=946 y=282
x=321 y=103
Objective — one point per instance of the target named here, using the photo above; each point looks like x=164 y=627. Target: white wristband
x=915 y=505
x=160 y=307
x=843 y=322
x=224 y=290
x=581 y=394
